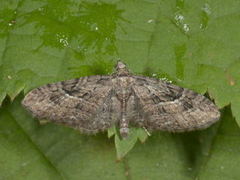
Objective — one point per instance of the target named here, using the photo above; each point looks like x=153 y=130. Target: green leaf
x=124 y=145
x=19 y=155
x=29 y=150
x=195 y=44
x=224 y=158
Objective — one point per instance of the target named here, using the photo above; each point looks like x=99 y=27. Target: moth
x=96 y=103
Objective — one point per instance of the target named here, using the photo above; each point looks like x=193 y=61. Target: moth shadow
x=190 y=145
x=195 y=145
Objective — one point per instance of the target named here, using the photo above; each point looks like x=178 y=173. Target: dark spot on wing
x=103 y=80
x=55 y=98
x=141 y=82
x=85 y=96
x=161 y=110
x=71 y=92
x=79 y=106
x=175 y=92
x=156 y=99
x=187 y=105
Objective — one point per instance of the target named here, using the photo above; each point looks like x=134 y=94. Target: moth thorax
x=123 y=94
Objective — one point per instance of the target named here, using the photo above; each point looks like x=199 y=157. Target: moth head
x=121 y=69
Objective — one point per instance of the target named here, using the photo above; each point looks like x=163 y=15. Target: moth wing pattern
x=76 y=103
x=96 y=103
x=168 y=107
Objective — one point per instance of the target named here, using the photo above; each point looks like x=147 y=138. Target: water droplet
x=206 y=8
x=12 y=22
x=179 y=18
x=63 y=39
x=150 y=21
x=165 y=79
x=94 y=27
x=186 y=27
x=179 y=21
x=206 y=11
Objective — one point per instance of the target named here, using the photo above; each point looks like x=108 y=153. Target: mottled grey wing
x=168 y=107
x=82 y=103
